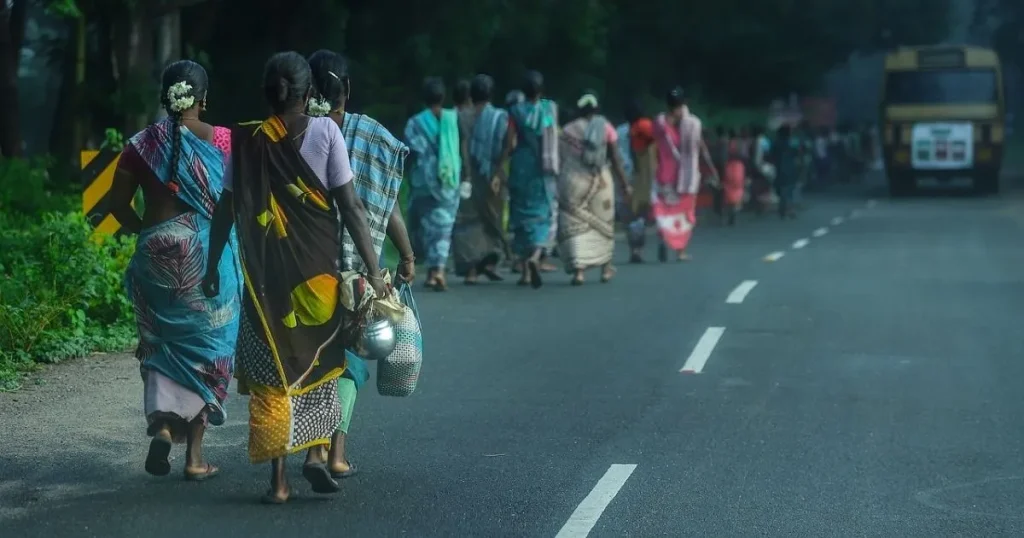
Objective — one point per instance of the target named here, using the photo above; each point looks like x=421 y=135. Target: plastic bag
x=399 y=373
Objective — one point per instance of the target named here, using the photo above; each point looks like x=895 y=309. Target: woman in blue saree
x=533 y=146
x=433 y=138
x=186 y=341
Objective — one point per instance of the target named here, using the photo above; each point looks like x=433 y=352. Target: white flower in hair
x=318 y=107
x=179 y=96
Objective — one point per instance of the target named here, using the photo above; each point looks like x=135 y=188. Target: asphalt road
x=867 y=382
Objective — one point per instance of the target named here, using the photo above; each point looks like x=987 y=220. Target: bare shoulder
x=201 y=129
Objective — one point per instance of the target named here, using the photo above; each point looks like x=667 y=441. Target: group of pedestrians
x=259 y=251
x=561 y=180
x=258 y=258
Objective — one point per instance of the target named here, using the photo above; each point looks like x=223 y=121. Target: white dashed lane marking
x=702 y=351
x=774 y=256
x=837 y=221
x=800 y=243
x=583 y=519
x=820 y=232
x=740 y=293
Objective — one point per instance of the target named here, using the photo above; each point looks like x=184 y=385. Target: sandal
x=577 y=280
x=270 y=497
x=440 y=284
x=319 y=476
x=534 y=271
x=352 y=470
x=607 y=274
x=210 y=472
x=157 y=463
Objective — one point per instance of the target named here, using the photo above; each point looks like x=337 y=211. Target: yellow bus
x=943 y=116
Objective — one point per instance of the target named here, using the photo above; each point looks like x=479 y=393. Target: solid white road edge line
x=800 y=243
x=583 y=519
x=837 y=221
x=820 y=232
x=702 y=351
x=740 y=293
x=774 y=256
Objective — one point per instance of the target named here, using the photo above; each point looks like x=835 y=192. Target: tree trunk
x=168 y=48
x=10 y=126
x=133 y=54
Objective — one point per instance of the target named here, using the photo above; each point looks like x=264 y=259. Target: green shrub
x=61 y=292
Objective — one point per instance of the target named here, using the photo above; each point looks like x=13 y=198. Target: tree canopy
x=731 y=52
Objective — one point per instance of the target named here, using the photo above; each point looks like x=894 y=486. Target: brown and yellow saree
x=296 y=303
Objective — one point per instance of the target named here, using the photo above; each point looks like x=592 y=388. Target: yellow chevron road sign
x=97 y=178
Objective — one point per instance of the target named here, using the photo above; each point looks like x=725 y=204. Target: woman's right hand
x=211 y=283
x=407 y=270
x=378 y=285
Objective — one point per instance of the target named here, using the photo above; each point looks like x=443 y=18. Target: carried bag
x=398 y=374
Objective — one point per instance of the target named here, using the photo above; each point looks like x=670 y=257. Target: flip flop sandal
x=352 y=470
x=535 y=280
x=576 y=281
x=319 y=476
x=156 y=460
x=270 y=498
x=607 y=275
x=210 y=472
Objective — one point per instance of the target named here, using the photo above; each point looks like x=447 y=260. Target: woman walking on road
x=785 y=155
x=433 y=137
x=586 y=190
x=479 y=239
x=645 y=164
x=186 y=341
x=532 y=144
x=734 y=179
x=680 y=148
x=290 y=178
x=377 y=160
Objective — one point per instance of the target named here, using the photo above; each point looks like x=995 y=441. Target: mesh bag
x=398 y=374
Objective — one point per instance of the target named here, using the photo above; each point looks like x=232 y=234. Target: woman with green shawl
x=433 y=139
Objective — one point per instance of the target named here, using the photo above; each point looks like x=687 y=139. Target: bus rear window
x=953 y=86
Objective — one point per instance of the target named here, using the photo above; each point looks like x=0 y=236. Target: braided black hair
x=533 y=85
x=433 y=91
x=287 y=80
x=196 y=84
x=461 y=92
x=481 y=88
x=330 y=77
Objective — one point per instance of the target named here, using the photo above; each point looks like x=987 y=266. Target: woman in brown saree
x=289 y=179
x=479 y=238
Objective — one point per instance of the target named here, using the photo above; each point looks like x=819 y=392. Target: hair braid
x=175 y=145
x=195 y=84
